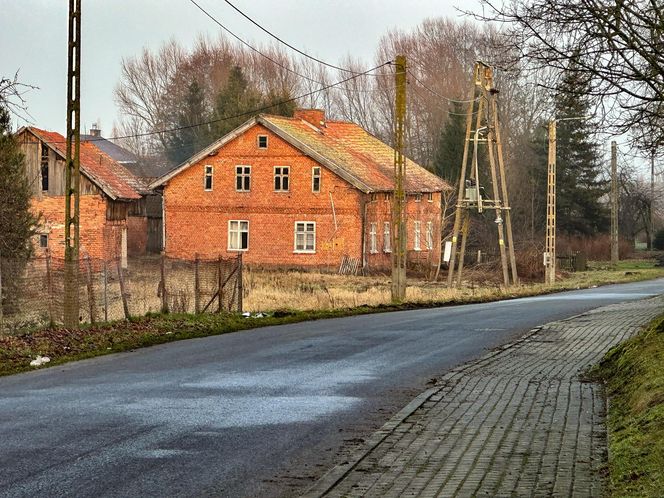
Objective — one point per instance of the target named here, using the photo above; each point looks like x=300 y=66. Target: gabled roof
x=116 y=181
x=345 y=148
x=146 y=169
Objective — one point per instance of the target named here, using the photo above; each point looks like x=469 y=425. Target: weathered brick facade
x=197 y=219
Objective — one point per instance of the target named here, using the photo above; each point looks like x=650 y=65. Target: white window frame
x=372 y=237
x=430 y=197
x=315 y=174
x=418 y=197
x=387 y=237
x=208 y=172
x=304 y=233
x=281 y=175
x=417 y=228
x=429 y=235
x=243 y=174
x=239 y=232
x=258 y=141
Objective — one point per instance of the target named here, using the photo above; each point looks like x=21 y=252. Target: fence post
x=164 y=292
x=239 y=282
x=221 y=286
x=122 y=290
x=105 y=291
x=49 y=285
x=91 y=294
x=197 y=285
x=2 y=323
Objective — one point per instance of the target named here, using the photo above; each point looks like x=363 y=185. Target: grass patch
x=316 y=296
x=634 y=376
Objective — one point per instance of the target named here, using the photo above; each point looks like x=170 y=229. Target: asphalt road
x=254 y=413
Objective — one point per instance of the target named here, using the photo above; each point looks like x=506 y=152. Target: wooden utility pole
x=471 y=196
x=72 y=175
x=399 y=198
x=614 y=203
x=550 y=245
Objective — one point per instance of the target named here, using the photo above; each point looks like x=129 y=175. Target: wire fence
x=32 y=292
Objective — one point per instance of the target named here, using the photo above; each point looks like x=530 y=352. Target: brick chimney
x=314 y=116
x=94 y=131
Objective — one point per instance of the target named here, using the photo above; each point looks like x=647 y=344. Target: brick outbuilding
x=298 y=192
x=108 y=193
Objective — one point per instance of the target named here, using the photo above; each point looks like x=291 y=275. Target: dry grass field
x=266 y=290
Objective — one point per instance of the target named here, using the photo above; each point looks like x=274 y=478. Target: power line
x=274 y=61
x=258 y=25
x=227 y=118
x=438 y=94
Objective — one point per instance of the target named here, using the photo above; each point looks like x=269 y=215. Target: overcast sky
x=33 y=39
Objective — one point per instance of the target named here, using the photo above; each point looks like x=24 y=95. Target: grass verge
x=634 y=375
x=61 y=345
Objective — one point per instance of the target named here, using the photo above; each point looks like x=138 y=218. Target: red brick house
x=108 y=194
x=297 y=192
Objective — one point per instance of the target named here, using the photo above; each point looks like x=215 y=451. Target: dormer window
x=262 y=141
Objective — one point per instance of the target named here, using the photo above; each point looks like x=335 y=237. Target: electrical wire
x=251 y=47
x=438 y=94
x=227 y=118
x=258 y=25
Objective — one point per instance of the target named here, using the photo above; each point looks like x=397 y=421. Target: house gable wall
x=197 y=220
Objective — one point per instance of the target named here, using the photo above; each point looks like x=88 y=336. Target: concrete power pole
x=652 y=201
x=550 y=245
x=614 y=203
x=72 y=175
x=399 y=200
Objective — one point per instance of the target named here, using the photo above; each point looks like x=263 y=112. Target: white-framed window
x=262 y=141
x=281 y=176
x=305 y=236
x=418 y=197
x=43 y=240
x=243 y=178
x=429 y=239
x=430 y=197
x=387 y=237
x=207 y=180
x=238 y=235
x=372 y=238
x=416 y=244
x=315 y=179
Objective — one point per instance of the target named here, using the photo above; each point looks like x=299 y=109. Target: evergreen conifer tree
x=449 y=150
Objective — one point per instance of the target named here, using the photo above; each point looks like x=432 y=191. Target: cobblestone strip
x=518 y=422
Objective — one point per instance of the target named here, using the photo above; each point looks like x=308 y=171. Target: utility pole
x=614 y=203
x=72 y=174
x=471 y=193
x=550 y=245
x=399 y=200
x=652 y=200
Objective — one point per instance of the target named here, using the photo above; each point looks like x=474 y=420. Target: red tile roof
x=110 y=176
x=357 y=152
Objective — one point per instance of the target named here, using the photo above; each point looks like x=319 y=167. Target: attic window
x=44 y=168
x=418 y=197
x=430 y=197
x=262 y=141
x=208 y=177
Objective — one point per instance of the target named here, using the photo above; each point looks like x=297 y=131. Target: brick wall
x=99 y=238
x=197 y=220
x=424 y=211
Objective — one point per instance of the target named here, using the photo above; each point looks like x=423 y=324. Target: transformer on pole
x=471 y=195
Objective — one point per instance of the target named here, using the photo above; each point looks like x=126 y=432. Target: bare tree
x=617 y=44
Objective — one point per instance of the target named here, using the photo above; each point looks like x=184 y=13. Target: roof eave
x=204 y=153
x=331 y=165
